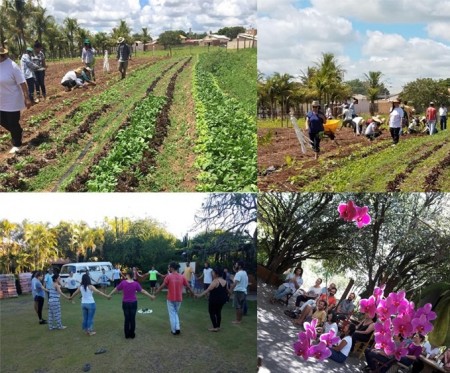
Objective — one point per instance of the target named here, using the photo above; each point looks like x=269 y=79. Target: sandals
x=100 y=351
x=86 y=367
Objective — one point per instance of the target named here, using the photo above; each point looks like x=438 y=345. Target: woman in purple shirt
x=129 y=302
x=414 y=350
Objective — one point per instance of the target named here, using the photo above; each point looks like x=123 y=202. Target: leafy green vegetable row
x=129 y=145
x=226 y=144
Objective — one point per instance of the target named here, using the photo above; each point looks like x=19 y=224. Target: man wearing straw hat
x=395 y=121
x=13 y=98
x=315 y=120
x=123 y=55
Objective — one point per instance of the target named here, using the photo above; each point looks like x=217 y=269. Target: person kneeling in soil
x=78 y=78
x=373 y=129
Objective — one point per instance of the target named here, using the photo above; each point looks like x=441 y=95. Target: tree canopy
x=231 y=32
x=422 y=91
x=404 y=246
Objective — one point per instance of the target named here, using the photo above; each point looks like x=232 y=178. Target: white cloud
x=440 y=30
x=292 y=39
x=157 y=15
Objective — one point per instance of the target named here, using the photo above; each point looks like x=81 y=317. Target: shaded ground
x=276 y=335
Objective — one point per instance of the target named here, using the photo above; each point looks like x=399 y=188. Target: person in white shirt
x=372 y=130
x=358 y=123
x=88 y=57
x=328 y=112
x=340 y=352
x=239 y=290
x=13 y=98
x=207 y=276
x=292 y=283
x=395 y=121
x=347 y=115
x=443 y=117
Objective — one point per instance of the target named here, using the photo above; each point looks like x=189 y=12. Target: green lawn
x=27 y=346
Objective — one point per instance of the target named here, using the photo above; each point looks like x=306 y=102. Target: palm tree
x=329 y=76
x=40 y=242
x=145 y=35
x=71 y=27
x=122 y=30
x=374 y=86
x=41 y=21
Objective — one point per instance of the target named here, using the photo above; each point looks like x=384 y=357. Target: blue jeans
x=40 y=82
x=31 y=85
x=443 y=123
x=88 y=310
x=337 y=356
x=282 y=291
x=172 y=308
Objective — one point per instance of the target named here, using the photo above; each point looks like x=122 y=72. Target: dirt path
x=276 y=335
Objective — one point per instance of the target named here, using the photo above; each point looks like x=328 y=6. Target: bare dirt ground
x=276 y=336
x=275 y=144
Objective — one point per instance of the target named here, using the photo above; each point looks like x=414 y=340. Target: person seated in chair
x=330 y=324
x=378 y=360
x=313 y=293
x=364 y=330
x=345 y=309
x=308 y=314
x=293 y=282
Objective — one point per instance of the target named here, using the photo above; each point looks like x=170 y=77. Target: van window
x=94 y=267
x=67 y=269
x=106 y=267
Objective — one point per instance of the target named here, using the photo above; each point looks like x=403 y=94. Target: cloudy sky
x=156 y=15
x=404 y=39
x=175 y=210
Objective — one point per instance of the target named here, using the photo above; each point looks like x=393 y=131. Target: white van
x=79 y=269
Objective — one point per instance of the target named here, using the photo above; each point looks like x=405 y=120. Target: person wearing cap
x=13 y=98
x=315 y=121
x=39 y=59
x=123 y=55
x=431 y=118
x=88 y=57
x=395 y=121
x=28 y=68
x=373 y=130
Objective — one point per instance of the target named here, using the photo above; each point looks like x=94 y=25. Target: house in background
x=214 y=40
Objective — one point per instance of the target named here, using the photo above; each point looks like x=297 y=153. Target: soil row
x=79 y=182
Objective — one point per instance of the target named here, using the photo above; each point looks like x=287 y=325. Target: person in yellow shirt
x=188 y=272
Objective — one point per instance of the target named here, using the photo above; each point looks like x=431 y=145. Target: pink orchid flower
x=379 y=291
x=383 y=328
x=426 y=310
x=301 y=347
x=347 y=211
x=320 y=351
x=330 y=338
x=368 y=306
x=390 y=347
x=400 y=351
x=382 y=341
x=310 y=329
x=383 y=311
x=396 y=300
x=402 y=325
x=421 y=325
x=362 y=217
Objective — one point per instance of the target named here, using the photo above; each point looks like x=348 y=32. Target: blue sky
x=405 y=40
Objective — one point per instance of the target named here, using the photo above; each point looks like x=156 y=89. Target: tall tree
x=71 y=28
x=169 y=39
x=374 y=86
x=41 y=21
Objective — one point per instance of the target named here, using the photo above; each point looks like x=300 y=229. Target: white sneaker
x=14 y=150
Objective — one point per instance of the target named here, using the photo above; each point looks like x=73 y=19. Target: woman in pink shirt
x=129 y=302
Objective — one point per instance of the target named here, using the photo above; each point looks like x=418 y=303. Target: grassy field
x=27 y=346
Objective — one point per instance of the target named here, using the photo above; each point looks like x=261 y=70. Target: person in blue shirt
x=37 y=291
x=315 y=121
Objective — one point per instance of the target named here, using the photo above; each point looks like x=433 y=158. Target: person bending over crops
x=373 y=129
x=78 y=78
x=315 y=120
x=358 y=123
